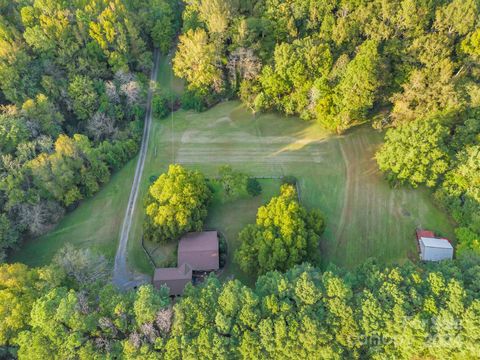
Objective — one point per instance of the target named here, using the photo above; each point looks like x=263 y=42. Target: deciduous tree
x=197 y=60
x=176 y=203
x=284 y=234
x=415 y=152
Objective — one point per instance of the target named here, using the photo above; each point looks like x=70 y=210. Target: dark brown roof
x=174 y=278
x=199 y=250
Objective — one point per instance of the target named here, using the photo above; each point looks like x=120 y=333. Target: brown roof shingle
x=199 y=250
x=174 y=278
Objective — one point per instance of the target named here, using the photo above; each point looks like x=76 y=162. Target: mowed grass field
x=337 y=174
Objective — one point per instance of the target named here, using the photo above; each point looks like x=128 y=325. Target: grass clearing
x=231 y=216
x=166 y=79
x=337 y=174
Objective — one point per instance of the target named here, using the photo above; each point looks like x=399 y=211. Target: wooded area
x=397 y=312
x=72 y=81
x=72 y=95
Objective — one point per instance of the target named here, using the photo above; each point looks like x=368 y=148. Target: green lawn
x=338 y=174
x=95 y=224
x=166 y=79
x=231 y=216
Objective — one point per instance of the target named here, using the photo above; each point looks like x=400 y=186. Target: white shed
x=434 y=249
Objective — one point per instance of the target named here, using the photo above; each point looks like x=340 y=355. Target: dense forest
x=429 y=312
x=408 y=65
x=73 y=79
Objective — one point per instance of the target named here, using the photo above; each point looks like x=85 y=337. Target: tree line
x=65 y=310
x=339 y=62
x=73 y=80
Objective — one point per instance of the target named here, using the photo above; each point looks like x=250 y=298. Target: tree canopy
x=176 y=204
x=73 y=78
x=428 y=311
x=416 y=153
x=285 y=234
x=335 y=62
x=196 y=60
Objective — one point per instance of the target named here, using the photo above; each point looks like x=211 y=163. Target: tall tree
x=415 y=152
x=197 y=60
x=176 y=203
x=284 y=234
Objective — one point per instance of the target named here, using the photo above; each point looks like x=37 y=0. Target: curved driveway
x=123 y=277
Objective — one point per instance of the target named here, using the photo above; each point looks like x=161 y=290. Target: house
x=197 y=251
x=433 y=248
x=174 y=278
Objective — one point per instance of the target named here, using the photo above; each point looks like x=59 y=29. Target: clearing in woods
x=338 y=174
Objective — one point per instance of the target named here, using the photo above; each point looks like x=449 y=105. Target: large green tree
x=341 y=105
x=415 y=152
x=20 y=286
x=176 y=203
x=197 y=60
x=287 y=85
x=429 y=91
x=13 y=131
x=83 y=96
x=285 y=234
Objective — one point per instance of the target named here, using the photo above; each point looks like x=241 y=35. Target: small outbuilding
x=200 y=251
x=174 y=278
x=433 y=248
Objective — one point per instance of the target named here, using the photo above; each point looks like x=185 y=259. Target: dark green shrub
x=194 y=100
x=162 y=103
x=253 y=187
x=222 y=249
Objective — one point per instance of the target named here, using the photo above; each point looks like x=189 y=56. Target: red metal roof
x=425 y=233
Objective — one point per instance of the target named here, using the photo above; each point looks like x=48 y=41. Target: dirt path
x=123 y=276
